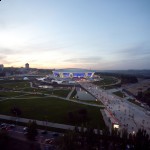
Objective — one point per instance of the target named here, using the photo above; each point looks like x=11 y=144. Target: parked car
x=3 y=125
x=25 y=129
x=49 y=141
x=55 y=134
x=11 y=126
x=44 y=132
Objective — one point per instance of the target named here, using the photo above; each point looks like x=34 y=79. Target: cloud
x=3 y=60
x=8 y=51
x=2 y=57
x=84 y=60
x=29 y=49
x=137 y=51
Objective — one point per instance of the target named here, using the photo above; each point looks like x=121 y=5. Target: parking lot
x=46 y=139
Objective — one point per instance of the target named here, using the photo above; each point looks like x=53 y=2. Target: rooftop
x=73 y=70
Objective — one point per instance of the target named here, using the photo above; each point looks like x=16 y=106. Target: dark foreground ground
x=14 y=144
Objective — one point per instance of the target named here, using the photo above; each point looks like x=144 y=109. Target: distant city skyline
x=98 y=34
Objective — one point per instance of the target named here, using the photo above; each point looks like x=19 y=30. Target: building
x=73 y=73
x=27 y=66
x=1 y=67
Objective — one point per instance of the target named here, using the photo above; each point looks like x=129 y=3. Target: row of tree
x=125 y=78
x=89 y=140
x=144 y=96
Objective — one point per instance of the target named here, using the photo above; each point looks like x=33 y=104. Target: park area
x=120 y=94
x=46 y=105
x=54 y=110
x=11 y=84
x=106 y=80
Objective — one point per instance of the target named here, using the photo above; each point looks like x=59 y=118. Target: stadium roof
x=73 y=70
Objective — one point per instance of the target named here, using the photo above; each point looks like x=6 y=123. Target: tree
x=83 y=114
x=68 y=141
x=3 y=139
x=142 y=140
x=32 y=130
x=16 y=111
x=140 y=95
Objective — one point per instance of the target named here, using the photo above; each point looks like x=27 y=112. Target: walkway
x=49 y=124
x=68 y=97
x=48 y=95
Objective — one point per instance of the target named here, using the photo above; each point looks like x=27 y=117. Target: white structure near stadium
x=73 y=73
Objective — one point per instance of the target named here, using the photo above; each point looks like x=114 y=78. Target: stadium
x=73 y=73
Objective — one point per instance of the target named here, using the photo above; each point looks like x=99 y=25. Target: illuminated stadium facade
x=73 y=73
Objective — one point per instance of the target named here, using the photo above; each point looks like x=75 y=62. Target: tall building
x=1 y=67
x=27 y=66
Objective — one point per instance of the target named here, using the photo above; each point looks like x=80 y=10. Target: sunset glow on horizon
x=86 y=34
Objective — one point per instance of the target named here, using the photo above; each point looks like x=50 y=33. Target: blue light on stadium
x=73 y=73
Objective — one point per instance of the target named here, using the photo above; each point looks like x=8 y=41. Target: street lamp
x=116 y=126
x=133 y=132
x=16 y=116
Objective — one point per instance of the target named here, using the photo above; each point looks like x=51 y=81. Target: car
x=11 y=126
x=3 y=125
x=25 y=129
x=3 y=129
x=49 y=141
x=25 y=133
x=44 y=132
x=55 y=134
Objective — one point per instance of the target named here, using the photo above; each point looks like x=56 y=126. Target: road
x=129 y=116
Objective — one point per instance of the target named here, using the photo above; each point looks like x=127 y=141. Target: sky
x=90 y=34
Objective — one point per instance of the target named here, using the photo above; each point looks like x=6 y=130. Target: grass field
x=16 y=85
x=38 y=90
x=106 y=81
x=119 y=93
x=10 y=94
x=19 y=95
x=61 y=93
x=108 y=87
x=54 y=109
x=32 y=95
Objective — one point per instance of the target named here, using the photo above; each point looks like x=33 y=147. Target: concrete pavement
x=49 y=124
x=129 y=115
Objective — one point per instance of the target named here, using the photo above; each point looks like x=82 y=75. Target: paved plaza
x=127 y=114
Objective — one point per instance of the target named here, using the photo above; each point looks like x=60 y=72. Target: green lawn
x=32 y=95
x=44 y=91
x=57 y=92
x=10 y=94
x=55 y=110
x=106 y=81
x=108 y=87
x=119 y=93
x=61 y=93
x=16 y=85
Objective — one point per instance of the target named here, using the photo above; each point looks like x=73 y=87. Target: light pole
x=16 y=116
